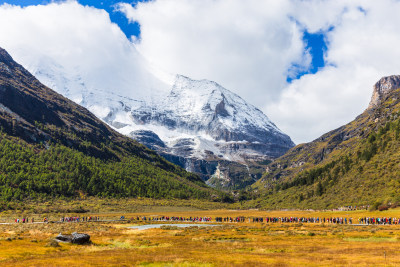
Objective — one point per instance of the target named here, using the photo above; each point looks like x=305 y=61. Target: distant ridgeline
x=356 y=164
x=52 y=147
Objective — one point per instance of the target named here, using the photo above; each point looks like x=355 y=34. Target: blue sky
x=108 y=5
x=308 y=65
x=314 y=42
x=117 y=17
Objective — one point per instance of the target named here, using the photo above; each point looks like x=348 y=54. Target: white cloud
x=361 y=48
x=79 y=41
x=248 y=46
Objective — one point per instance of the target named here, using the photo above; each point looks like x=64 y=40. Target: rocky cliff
x=356 y=164
x=383 y=87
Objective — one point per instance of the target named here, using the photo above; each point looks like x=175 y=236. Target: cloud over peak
x=249 y=47
x=246 y=46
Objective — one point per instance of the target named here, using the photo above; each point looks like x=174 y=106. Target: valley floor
x=228 y=244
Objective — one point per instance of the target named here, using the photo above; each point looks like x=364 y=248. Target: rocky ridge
x=382 y=88
x=346 y=166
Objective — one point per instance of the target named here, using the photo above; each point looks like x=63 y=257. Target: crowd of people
x=176 y=219
x=300 y=220
x=24 y=220
x=350 y=208
x=383 y=220
x=242 y=219
x=230 y=219
x=62 y=220
x=336 y=220
x=79 y=219
x=239 y=219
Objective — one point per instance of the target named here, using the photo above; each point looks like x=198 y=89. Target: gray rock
x=148 y=138
x=74 y=238
x=384 y=86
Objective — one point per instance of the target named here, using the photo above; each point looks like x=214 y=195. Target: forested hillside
x=356 y=164
x=28 y=171
x=50 y=146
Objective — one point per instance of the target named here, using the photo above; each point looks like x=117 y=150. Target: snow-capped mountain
x=193 y=123
x=211 y=119
x=222 y=114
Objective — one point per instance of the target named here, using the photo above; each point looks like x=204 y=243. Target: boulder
x=75 y=238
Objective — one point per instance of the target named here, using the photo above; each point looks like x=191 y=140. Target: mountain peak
x=384 y=86
x=6 y=62
x=4 y=56
x=39 y=125
x=193 y=123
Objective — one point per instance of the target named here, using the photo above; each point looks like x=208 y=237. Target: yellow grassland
x=230 y=244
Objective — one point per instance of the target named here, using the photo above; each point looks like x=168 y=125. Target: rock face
x=74 y=238
x=384 y=86
x=149 y=139
x=351 y=165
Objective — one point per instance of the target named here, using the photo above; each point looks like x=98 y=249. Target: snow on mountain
x=193 y=123
x=194 y=101
x=196 y=118
x=132 y=78
x=213 y=119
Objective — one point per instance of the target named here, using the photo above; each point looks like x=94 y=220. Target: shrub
x=383 y=207
x=53 y=243
x=375 y=206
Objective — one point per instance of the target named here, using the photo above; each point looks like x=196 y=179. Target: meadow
x=228 y=244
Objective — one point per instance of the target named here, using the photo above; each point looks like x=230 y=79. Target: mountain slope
x=51 y=146
x=207 y=129
x=197 y=124
x=205 y=107
x=356 y=164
